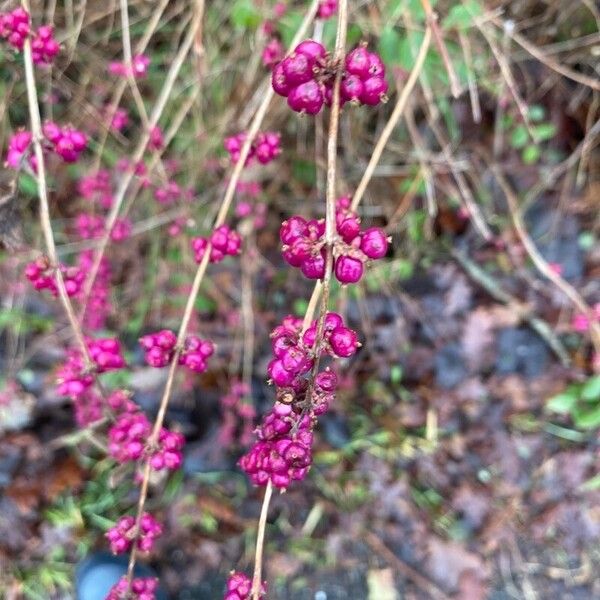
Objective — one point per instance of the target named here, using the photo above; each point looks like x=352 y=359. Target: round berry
x=297 y=68
x=307 y=97
x=352 y=88
x=358 y=62
x=374 y=90
x=279 y=81
x=348 y=269
x=343 y=342
x=314 y=51
x=374 y=243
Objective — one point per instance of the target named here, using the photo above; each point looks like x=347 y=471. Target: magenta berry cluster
x=121 y=536
x=160 y=347
x=42 y=276
x=15 y=28
x=239 y=587
x=17 y=147
x=142 y=588
x=265 y=147
x=127 y=442
x=67 y=141
x=272 y=53
x=139 y=67
x=283 y=451
x=306 y=78
x=304 y=244
x=223 y=241
x=43 y=46
x=74 y=379
x=327 y=8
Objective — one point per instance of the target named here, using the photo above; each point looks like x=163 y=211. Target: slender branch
x=260 y=539
x=545 y=59
x=36 y=130
x=393 y=120
x=432 y=21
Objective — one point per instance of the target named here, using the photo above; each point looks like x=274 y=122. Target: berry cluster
x=156 y=140
x=272 y=53
x=139 y=67
x=15 y=27
x=67 y=142
x=265 y=147
x=41 y=274
x=304 y=244
x=142 y=588
x=168 y=193
x=43 y=46
x=283 y=452
x=223 y=242
x=160 y=346
x=327 y=8
x=121 y=536
x=239 y=587
x=120 y=119
x=17 y=146
x=90 y=226
x=72 y=377
x=307 y=75
x=97 y=187
x=127 y=442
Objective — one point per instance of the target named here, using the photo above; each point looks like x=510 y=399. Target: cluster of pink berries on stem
x=127 y=442
x=121 y=536
x=67 y=142
x=307 y=75
x=304 y=244
x=239 y=587
x=139 y=67
x=160 y=347
x=15 y=28
x=142 y=588
x=223 y=241
x=42 y=276
x=283 y=451
x=265 y=147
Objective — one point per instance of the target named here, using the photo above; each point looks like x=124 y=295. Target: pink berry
x=307 y=97
x=297 y=68
x=374 y=243
x=374 y=90
x=343 y=342
x=348 y=269
x=352 y=88
x=358 y=62
x=279 y=81
x=314 y=51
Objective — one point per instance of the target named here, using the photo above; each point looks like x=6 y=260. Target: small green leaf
x=590 y=392
x=544 y=131
x=531 y=154
x=591 y=484
x=536 y=112
x=562 y=403
x=519 y=137
x=244 y=15
x=587 y=418
x=389 y=45
x=462 y=15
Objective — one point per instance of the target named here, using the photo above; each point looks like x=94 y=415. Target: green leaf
x=544 y=131
x=590 y=392
x=536 y=112
x=389 y=45
x=531 y=154
x=462 y=15
x=519 y=137
x=28 y=185
x=587 y=418
x=244 y=15
x=562 y=403
x=591 y=484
